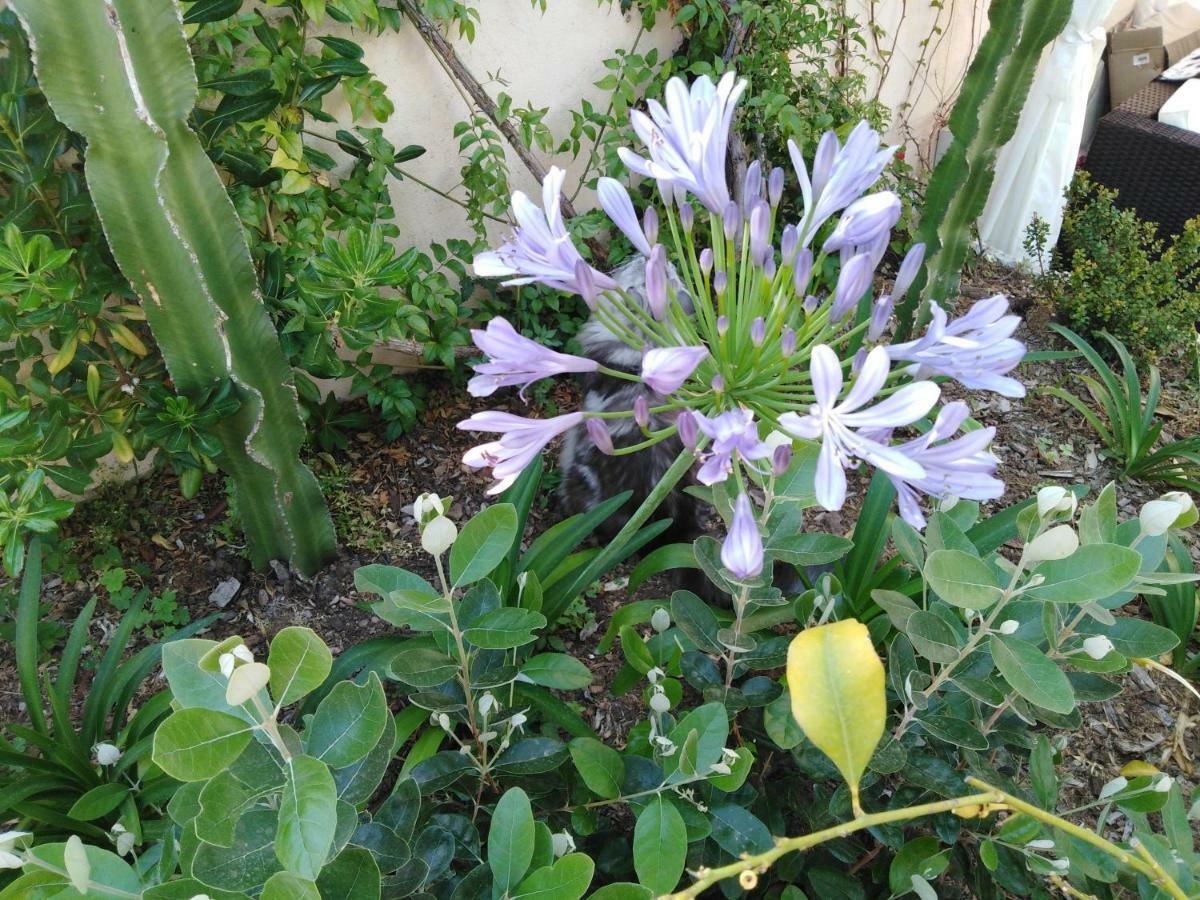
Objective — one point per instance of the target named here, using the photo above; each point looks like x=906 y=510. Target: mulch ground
x=189 y=547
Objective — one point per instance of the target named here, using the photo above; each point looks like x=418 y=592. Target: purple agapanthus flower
x=959 y=467
x=540 y=250
x=520 y=440
x=854 y=280
x=865 y=221
x=517 y=360
x=731 y=432
x=666 y=368
x=688 y=140
x=834 y=422
x=840 y=174
x=742 y=550
x=977 y=349
x=619 y=207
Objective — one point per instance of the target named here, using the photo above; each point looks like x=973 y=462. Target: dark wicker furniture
x=1155 y=167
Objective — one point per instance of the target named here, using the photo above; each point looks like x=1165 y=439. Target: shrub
x=1112 y=272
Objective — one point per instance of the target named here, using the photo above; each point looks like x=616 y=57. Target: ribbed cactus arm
x=119 y=73
x=984 y=119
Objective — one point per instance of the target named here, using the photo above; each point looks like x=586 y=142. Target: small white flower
x=517 y=721
x=969 y=614
x=654 y=674
x=1055 y=501
x=659 y=702
x=720 y=769
x=563 y=843
x=661 y=620
x=444 y=721
x=1158 y=516
x=8 y=843
x=1097 y=646
x=1164 y=784
x=1042 y=844
x=125 y=841
x=487 y=703
x=106 y=754
x=1115 y=786
x=438 y=535
x=1008 y=626
x=1061 y=864
x=428 y=503
x=226 y=663
x=1057 y=543
x=730 y=756
x=666 y=746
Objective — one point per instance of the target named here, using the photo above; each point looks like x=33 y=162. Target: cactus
x=984 y=119
x=119 y=72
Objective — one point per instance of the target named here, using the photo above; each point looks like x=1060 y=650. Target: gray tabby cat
x=589 y=476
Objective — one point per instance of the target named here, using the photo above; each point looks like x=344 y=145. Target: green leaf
x=483 y=544
x=286 y=886
x=348 y=723
x=99 y=801
x=510 y=839
x=567 y=879
x=299 y=663
x=422 y=667
x=623 y=890
x=249 y=862
x=352 y=875
x=195 y=744
x=693 y=617
x=307 y=817
x=1092 y=572
x=711 y=724
x=659 y=846
x=557 y=670
x=962 y=580
x=1134 y=637
x=737 y=831
x=837 y=687
x=923 y=857
x=599 y=766
x=505 y=628
x=810 y=548
x=932 y=637
x=1032 y=674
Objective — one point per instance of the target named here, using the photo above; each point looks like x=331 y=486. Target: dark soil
x=190 y=547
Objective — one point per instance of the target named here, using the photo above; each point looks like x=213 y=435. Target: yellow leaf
x=281 y=160
x=127 y=339
x=1137 y=768
x=121 y=448
x=836 y=682
x=294 y=183
x=65 y=354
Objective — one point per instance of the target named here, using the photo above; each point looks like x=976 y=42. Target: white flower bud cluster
x=245 y=676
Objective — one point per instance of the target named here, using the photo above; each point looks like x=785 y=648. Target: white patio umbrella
x=1034 y=168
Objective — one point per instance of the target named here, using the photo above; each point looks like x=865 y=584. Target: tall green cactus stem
x=984 y=119
x=119 y=72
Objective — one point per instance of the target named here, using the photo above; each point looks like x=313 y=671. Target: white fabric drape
x=1034 y=168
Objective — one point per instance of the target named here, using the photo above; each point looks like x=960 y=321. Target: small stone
x=281 y=570
x=224 y=592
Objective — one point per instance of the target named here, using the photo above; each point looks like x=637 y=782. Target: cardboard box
x=1177 y=50
x=1135 y=58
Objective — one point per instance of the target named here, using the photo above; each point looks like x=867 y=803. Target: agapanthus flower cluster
x=755 y=334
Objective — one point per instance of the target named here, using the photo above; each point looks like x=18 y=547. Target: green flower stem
x=760 y=862
x=657 y=438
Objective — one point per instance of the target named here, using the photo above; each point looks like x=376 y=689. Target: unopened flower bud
x=650 y=225
x=1159 y=516
x=718 y=383
x=107 y=754
x=641 y=411
x=245 y=683
x=518 y=720
x=720 y=283
x=789 y=244
x=1057 y=543
x=781 y=459
x=1008 y=626
x=661 y=620
x=654 y=674
x=598 y=431
x=760 y=233
x=753 y=183
x=731 y=221
x=487 y=703
x=722 y=325
x=688 y=429
x=1163 y=785
x=687 y=217
x=1061 y=864
x=758 y=331
x=706 y=261
x=881 y=314
x=438 y=535
x=562 y=844
x=787 y=346
x=1188 y=516
x=1097 y=646
x=775 y=186
x=656 y=281
x=769 y=267
x=803 y=271
x=1055 y=501
x=428 y=505
x=659 y=702
x=810 y=305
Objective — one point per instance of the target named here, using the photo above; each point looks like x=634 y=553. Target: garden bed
x=189 y=547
